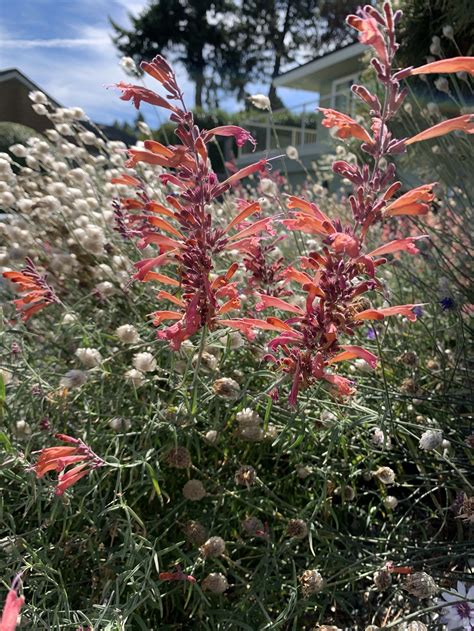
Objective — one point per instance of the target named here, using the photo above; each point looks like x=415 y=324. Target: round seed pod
x=382 y=580
x=195 y=532
x=178 y=457
x=297 y=529
x=214 y=547
x=311 y=582
x=421 y=585
x=215 y=583
x=194 y=490
x=245 y=475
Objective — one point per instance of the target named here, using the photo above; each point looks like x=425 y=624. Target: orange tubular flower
x=37 y=294
x=463 y=123
x=414 y=202
x=59 y=458
x=350 y=352
x=379 y=314
x=346 y=126
x=454 y=64
x=11 y=609
x=398 y=245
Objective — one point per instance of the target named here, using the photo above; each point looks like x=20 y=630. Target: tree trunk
x=199 y=83
x=272 y=93
x=279 y=52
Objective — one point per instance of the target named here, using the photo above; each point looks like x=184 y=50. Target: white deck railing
x=271 y=135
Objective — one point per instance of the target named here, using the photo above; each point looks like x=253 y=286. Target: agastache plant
x=336 y=278
x=183 y=230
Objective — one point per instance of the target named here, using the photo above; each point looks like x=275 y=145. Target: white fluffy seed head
x=89 y=357
x=260 y=101
x=135 y=377
x=431 y=439
x=145 y=362
x=127 y=334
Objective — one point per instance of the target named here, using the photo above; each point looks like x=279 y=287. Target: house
x=328 y=79
x=15 y=106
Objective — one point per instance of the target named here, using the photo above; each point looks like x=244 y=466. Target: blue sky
x=64 y=46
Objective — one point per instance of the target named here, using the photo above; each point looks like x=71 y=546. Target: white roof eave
x=313 y=67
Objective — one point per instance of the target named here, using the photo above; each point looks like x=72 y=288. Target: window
x=342 y=98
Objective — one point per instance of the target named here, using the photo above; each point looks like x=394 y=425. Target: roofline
x=14 y=73
x=321 y=63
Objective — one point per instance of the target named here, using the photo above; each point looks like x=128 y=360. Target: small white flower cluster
x=58 y=191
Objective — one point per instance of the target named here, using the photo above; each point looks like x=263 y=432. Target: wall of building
x=15 y=106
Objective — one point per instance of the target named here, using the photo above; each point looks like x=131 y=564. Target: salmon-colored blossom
x=445 y=66
x=346 y=126
x=369 y=33
x=37 y=294
x=414 y=202
x=11 y=609
x=76 y=453
x=399 y=245
x=463 y=123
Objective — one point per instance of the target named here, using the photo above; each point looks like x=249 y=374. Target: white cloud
x=76 y=72
x=48 y=43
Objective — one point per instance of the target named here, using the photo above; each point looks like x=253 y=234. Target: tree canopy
x=226 y=44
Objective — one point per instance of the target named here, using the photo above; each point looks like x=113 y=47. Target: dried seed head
x=127 y=334
x=466 y=510
x=215 y=583
x=386 y=475
x=421 y=585
x=245 y=475
x=381 y=439
x=347 y=493
x=292 y=153
x=73 y=379
x=390 y=502
x=214 y=547
x=260 y=101
x=209 y=362
x=194 y=490
x=311 y=582
x=409 y=386
x=416 y=625
x=431 y=439
x=89 y=357
x=251 y=524
x=433 y=364
x=382 y=580
x=297 y=528
x=195 y=532
x=253 y=434
x=119 y=424
x=226 y=388
x=178 y=457
x=247 y=418
x=409 y=358
x=135 y=377
x=211 y=436
x=145 y=362
x=302 y=471
x=23 y=429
